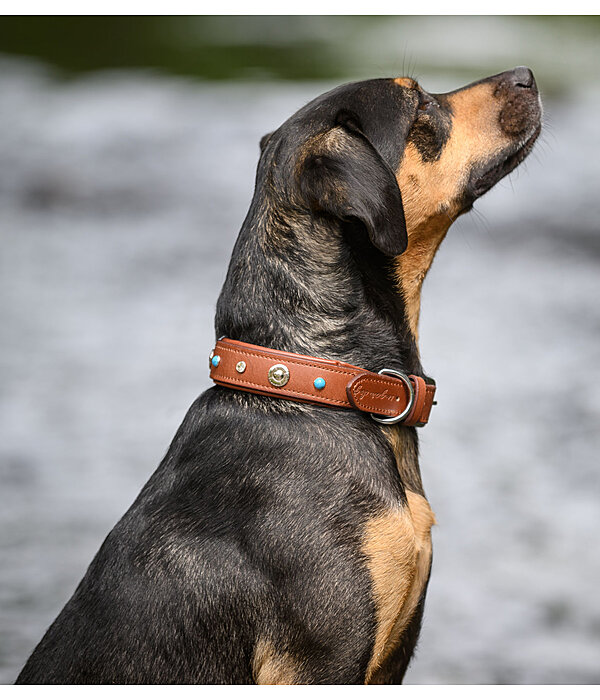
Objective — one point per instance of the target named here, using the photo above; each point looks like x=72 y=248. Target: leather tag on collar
x=376 y=393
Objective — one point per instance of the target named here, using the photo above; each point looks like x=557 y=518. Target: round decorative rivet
x=215 y=360
x=240 y=367
x=319 y=383
x=212 y=354
x=279 y=375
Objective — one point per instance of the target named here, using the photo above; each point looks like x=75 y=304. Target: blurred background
x=127 y=155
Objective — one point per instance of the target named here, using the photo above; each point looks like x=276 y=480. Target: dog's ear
x=345 y=176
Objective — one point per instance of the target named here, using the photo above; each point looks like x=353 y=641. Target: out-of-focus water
x=121 y=196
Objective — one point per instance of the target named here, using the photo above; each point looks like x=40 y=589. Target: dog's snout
x=521 y=110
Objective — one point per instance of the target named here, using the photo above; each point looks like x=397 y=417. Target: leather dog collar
x=389 y=396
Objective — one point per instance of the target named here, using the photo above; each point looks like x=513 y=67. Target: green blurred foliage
x=308 y=47
x=195 y=46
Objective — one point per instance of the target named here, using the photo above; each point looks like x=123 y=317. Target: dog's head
x=397 y=158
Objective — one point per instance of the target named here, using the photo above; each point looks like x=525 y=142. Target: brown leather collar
x=390 y=396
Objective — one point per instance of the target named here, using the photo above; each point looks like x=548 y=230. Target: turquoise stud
x=215 y=361
x=319 y=383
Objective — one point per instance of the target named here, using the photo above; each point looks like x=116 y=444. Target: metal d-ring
x=411 y=398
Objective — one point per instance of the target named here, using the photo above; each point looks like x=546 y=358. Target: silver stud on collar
x=279 y=375
x=240 y=367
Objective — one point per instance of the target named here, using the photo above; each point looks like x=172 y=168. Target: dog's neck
x=313 y=285
x=413 y=265
x=318 y=288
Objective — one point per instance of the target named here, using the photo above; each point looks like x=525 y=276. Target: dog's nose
x=522 y=77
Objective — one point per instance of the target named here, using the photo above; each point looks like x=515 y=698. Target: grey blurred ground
x=121 y=196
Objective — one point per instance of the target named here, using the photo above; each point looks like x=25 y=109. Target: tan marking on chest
x=398 y=548
x=270 y=667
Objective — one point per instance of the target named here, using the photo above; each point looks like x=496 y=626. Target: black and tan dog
x=282 y=542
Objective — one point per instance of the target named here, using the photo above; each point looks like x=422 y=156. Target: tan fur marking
x=407 y=83
x=422 y=519
x=431 y=191
x=398 y=548
x=270 y=667
x=405 y=450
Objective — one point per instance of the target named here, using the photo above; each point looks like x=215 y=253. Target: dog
x=281 y=541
